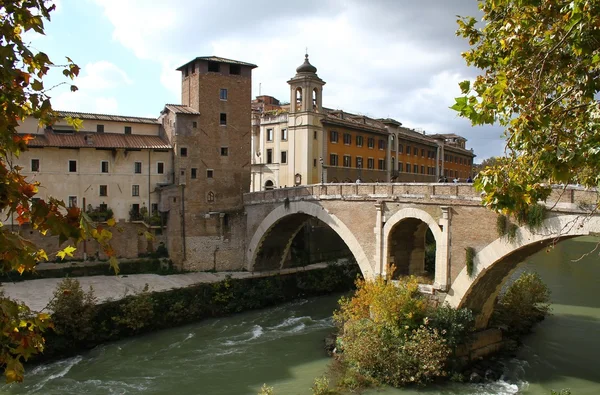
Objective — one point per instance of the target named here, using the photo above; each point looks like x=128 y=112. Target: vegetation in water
x=392 y=334
x=525 y=302
x=73 y=310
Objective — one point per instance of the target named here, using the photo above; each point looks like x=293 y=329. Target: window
x=224 y=151
x=400 y=167
x=160 y=168
x=269 y=134
x=400 y=148
x=103 y=190
x=359 y=162
x=35 y=165
x=283 y=157
x=135 y=190
x=154 y=208
x=223 y=119
x=127 y=129
x=99 y=128
x=104 y=166
x=381 y=164
x=370 y=163
x=270 y=155
x=408 y=150
x=381 y=144
x=210 y=197
x=422 y=169
x=183 y=151
x=415 y=169
x=347 y=138
x=72 y=201
x=214 y=67
x=333 y=136
x=415 y=151
x=283 y=134
x=194 y=174
x=422 y=152
x=137 y=167
x=194 y=124
x=371 y=142
x=235 y=69
x=408 y=167
x=393 y=143
x=209 y=173
x=72 y=166
x=315 y=135
x=223 y=94
x=314 y=163
x=359 y=141
x=347 y=161
x=333 y=160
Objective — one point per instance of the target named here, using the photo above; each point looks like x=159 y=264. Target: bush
x=526 y=302
x=266 y=390
x=390 y=333
x=136 y=311
x=73 y=310
x=321 y=386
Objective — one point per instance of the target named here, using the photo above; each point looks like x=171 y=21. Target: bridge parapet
x=571 y=198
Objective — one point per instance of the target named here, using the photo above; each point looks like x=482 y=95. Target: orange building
x=305 y=143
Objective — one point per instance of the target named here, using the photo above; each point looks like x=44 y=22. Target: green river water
x=283 y=347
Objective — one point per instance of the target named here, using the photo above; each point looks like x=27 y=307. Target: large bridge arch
x=296 y=213
x=493 y=265
x=441 y=254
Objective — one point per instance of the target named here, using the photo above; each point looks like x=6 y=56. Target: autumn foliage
x=23 y=95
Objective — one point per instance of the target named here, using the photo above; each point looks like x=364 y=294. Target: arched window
x=269 y=185
x=315 y=100
x=210 y=197
x=393 y=143
x=298 y=99
x=393 y=164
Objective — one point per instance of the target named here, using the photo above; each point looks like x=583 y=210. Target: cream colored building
x=112 y=162
x=302 y=142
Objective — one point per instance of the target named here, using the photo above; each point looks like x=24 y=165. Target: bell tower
x=304 y=124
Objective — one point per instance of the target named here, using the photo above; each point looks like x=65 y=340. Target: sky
x=382 y=58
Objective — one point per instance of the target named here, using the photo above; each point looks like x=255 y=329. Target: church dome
x=306 y=67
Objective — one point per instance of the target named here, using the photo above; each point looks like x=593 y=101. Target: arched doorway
x=269 y=185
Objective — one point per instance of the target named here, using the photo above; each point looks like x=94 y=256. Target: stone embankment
x=37 y=293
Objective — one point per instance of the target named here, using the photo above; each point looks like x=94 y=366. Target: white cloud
x=382 y=58
x=101 y=75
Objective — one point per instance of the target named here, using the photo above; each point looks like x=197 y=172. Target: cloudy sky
x=382 y=58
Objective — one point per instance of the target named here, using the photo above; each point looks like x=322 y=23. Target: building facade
x=304 y=142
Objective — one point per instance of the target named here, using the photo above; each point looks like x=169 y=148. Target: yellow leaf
x=21 y=269
x=44 y=316
x=111 y=222
x=69 y=250
x=42 y=255
x=114 y=264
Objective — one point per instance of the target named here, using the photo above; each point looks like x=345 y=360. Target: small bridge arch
x=272 y=239
x=494 y=264
x=417 y=222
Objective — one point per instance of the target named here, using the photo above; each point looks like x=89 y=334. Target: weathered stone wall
x=129 y=241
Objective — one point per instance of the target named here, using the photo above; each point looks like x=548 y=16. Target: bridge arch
x=296 y=214
x=416 y=221
x=494 y=264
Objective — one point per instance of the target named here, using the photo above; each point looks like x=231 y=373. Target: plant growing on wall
x=469 y=259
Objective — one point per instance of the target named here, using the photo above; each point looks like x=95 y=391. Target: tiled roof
x=98 y=140
x=180 y=109
x=106 y=117
x=218 y=59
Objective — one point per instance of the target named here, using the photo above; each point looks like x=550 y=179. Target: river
x=283 y=347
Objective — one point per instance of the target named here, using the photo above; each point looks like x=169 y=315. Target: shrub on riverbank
x=525 y=303
x=79 y=326
x=391 y=333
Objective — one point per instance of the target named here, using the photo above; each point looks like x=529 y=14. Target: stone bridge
x=384 y=224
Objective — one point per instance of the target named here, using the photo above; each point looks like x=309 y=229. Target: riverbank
x=81 y=324
x=37 y=293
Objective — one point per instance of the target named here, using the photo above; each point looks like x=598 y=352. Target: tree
x=22 y=95
x=540 y=80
